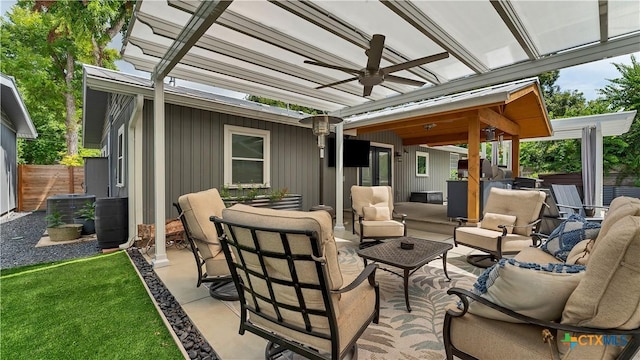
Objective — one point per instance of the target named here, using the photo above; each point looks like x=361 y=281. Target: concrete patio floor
x=216 y=319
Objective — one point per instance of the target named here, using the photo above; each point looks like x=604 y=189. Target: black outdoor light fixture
x=321 y=126
x=491 y=133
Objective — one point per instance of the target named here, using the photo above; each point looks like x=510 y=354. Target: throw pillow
x=580 y=253
x=536 y=290
x=491 y=221
x=570 y=232
x=376 y=213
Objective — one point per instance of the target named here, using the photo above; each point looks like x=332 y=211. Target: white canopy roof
x=612 y=124
x=259 y=47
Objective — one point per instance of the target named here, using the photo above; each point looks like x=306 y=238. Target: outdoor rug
x=401 y=334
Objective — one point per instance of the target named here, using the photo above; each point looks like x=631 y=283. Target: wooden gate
x=38 y=182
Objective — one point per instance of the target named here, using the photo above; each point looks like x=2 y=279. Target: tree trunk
x=70 y=102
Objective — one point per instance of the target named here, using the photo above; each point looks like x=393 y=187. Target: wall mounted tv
x=356 y=152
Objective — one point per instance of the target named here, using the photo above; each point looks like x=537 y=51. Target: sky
x=586 y=78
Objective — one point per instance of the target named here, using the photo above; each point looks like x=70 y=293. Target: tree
x=62 y=34
x=624 y=93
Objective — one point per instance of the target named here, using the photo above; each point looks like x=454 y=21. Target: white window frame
x=425 y=155
x=120 y=156
x=229 y=131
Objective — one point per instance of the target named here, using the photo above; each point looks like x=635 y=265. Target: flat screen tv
x=356 y=153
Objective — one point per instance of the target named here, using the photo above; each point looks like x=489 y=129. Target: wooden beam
x=498 y=121
x=446 y=139
x=515 y=155
x=417 y=121
x=473 y=189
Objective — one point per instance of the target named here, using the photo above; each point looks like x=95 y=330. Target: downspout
x=134 y=169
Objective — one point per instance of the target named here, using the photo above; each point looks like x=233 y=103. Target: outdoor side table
x=390 y=253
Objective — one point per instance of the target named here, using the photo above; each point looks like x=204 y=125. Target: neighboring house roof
x=612 y=124
x=15 y=109
x=99 y=82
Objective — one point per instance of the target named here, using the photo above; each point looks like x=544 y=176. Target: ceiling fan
x=373 y=74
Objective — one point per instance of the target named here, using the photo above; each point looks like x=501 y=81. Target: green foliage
x=37 y=39
x=276 y=195
x=282 y=104
x=54 y=219
x=87 y=211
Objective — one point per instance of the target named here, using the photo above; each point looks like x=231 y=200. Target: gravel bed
x=19 y=234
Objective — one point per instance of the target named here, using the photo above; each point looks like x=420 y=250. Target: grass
x=91 y=308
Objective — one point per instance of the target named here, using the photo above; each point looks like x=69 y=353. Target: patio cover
x=259 y=47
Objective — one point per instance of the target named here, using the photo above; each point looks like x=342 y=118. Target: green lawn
x=92 y=308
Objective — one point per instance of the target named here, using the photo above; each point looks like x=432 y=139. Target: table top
x=389 y=252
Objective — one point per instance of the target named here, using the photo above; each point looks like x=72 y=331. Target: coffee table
x=389 y=252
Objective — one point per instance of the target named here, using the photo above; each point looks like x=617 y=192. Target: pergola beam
x=510 y=18
x=202 y=19
x=498 y=121
x=603 y=10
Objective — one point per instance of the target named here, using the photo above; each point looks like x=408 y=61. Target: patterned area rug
x=416 y=334
x=401 y=334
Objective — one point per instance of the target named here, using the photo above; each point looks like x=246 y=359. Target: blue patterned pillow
x=568 y=234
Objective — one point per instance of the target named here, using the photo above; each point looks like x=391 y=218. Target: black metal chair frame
x=395 y=215
x=221 y=287
x=631 y=348
x=486 y=261
x=278 y=344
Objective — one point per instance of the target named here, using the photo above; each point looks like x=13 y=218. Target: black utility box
x=431 y=197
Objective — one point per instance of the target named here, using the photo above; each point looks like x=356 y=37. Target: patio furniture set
x=283 y=268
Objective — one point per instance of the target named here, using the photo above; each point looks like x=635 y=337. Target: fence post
x=20 y=188
x=72 y=187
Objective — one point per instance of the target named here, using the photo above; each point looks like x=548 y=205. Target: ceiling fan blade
x=367 y=90
x=374 y=54
x=416 y=62
x=335 y=67
x=403 y=80
x=337 y=83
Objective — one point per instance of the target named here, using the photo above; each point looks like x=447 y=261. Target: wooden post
x=473 y=183
x=515 y=155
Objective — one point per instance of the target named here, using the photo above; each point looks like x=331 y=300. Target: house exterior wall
x=404 y=172
x=8 y=163
x=195 y=155
x=120 y=110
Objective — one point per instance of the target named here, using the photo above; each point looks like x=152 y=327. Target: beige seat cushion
x=198 y=208
x=581 y=252
x=388 y=228
x=488 y=239
x=494 y=339
x=609 y=294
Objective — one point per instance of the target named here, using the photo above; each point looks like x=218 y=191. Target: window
x=422 y=163
x=246 y=156
x=120 y=158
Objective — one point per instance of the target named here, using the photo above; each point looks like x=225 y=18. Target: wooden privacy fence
x=37 y=182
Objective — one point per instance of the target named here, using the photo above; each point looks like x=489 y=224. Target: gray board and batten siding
x=194 y=148
x=118 y=115
x=8 y=163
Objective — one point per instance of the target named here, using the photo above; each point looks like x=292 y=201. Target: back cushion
x=609 y=294
x=319 y=221
x=365 y=196
x=198 y=208
x=524 y=204
x=620 y=207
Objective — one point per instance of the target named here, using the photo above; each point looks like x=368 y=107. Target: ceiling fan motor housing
x=370 y=77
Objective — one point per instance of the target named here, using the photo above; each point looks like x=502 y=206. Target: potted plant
x=58 y=230
x=86 y=216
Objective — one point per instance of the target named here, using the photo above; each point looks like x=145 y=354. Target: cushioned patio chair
x=373 y=208
x=598 y=316
x=194 y=211
x=285 y=266
x=509 y=224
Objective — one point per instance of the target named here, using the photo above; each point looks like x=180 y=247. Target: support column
x=473 y=183
x=160 y=259
x=515 y=155
x=339 y=177
x=599 y=165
